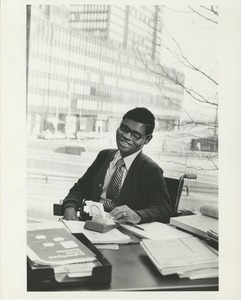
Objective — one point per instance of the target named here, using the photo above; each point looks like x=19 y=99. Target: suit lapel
x=100 y=176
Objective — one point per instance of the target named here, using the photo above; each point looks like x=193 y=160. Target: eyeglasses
x=136 y=136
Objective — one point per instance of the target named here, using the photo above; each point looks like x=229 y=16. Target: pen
x=136 y=226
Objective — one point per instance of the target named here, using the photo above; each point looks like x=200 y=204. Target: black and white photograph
x=117 y=159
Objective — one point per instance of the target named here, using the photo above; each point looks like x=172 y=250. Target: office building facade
x=84 y=68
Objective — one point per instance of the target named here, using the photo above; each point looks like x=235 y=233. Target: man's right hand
x=70 y=214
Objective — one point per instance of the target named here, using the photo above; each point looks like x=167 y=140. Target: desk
x=132 y=270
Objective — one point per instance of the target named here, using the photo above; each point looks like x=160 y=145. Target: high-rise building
x=84 y=68
x=127 y=26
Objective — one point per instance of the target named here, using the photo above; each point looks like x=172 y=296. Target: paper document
x=200 y=273
x=113 y=236
x=62 y=273
x=196 y=224
x=44 y=225
x=156 y=230
x=178 y=255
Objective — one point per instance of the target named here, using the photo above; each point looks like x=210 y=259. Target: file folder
x=42 y=278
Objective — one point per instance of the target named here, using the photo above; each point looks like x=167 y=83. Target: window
x=107 y=80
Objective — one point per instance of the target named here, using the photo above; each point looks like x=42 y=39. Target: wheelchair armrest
x=58 y=209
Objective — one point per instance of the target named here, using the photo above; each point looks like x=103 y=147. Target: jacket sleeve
x=83 y=187
x=158 y=206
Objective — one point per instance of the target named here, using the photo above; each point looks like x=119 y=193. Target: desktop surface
x=132 y=270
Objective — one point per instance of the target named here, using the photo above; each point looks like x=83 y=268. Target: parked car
x=48 y=135
x=59 y=135
x=81 y=135
x=71 y=136
x=74 y=150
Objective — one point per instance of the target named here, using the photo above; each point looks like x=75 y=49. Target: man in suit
x=128 y=183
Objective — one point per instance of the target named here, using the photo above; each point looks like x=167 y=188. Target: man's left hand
x=123 y=214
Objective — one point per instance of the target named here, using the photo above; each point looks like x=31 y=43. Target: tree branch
x=195 y=95
x=186 y=62
x=215 y=12
x=206 y=18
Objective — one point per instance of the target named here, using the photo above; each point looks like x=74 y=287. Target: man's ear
x=148 y=138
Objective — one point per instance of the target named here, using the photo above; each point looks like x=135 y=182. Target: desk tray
x=42 y=278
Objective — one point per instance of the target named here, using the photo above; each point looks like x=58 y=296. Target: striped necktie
x=114 y=187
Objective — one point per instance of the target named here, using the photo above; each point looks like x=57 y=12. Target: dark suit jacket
x=144 y=189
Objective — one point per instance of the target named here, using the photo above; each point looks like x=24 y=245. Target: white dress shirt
x=110 y=171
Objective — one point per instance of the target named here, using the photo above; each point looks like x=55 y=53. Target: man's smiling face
x=131 y=137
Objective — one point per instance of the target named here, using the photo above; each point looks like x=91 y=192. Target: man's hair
x=142 y=115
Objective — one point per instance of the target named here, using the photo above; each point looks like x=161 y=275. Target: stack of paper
x=200 y=273
x=113 y=236
x=182 y=255
x=204 y=224
x=59 y=249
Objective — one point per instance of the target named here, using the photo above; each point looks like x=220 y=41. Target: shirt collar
x=128 y=159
